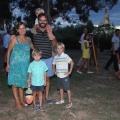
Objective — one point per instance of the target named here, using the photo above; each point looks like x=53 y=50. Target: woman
x=18 y=59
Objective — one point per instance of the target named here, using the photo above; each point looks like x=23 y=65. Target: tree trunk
x=47 y=10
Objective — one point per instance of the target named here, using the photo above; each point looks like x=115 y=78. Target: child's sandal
x=69 y=105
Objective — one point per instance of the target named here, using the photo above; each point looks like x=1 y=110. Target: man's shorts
x=37 y=88
x=63 y=83
x=48 y=62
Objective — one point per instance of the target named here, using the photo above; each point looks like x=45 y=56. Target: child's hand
x=45 y=84
x=50 y=35
x=36 y=26
x=67 y=73
x=55 y=73
x=28 y=81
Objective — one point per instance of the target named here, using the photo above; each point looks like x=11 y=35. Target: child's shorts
x=37 y=88
x=63 y=83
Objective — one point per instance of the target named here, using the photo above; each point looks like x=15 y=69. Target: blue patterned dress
x=19 y=62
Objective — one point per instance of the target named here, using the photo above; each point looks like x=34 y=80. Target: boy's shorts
x=37 y=88
x=48 y=62
x=63 y=83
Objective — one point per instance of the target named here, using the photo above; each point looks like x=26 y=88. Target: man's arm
x=113 y=50
x=54 y=42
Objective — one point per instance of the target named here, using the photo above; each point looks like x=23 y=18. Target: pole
x=95 y=56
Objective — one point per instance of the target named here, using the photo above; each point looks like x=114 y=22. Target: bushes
x=105 y=43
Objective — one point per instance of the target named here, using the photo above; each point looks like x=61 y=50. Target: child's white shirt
x=61 y=63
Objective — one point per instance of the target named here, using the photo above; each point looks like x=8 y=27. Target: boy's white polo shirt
x=61 y=63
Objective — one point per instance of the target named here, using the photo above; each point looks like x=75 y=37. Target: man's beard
x=42 y=25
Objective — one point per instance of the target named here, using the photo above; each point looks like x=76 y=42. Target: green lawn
x=94 y=96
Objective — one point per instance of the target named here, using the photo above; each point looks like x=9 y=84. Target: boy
x=60 y=67
x=37 y=77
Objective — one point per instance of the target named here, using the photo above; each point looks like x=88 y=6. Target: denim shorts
x=37 y=88
x=63 y=83
x=48 y=62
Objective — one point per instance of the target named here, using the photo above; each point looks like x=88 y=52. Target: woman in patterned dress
x=18 y=59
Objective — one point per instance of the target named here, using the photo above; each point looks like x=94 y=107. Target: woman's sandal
x=69 y=105
x=18 y=106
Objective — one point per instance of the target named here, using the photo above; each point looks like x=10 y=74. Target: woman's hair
x=61 y=44
x=17 y=27
x=36 y=51
x=39 y=9
x=86 y=35
x=19 y=24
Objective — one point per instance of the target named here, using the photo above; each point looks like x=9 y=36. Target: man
x=115 y=46
x=81 y=41
x=44 y=41
x=6 y=41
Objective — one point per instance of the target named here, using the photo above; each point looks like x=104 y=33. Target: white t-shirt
x=6 y=41
x=82 y=40
x=61 y=63
x=116 y=41
x=36 y=21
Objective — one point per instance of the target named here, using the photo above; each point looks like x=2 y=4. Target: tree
x=57 y=8
x=5 y=13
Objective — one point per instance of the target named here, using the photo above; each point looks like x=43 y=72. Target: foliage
x=105 y=42
x=105 y=33
x=61 y=8
x=104 y=30
x=70 y=35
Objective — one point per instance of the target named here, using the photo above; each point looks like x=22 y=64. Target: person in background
x=6 y=41
x=37 y=78
x=41 y=40
x=18 y=59
x=85 y=55
x=1 y=41
x=81 y=41
x=60 y=67
x=115 y=46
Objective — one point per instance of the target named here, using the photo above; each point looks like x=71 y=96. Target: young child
x=37 y=77
x=48 y=27
x=85 y=54
x=60 y=67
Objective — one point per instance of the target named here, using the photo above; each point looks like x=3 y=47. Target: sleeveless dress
x=86 y=52
x=19 y=62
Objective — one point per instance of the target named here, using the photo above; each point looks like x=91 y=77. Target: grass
x=94 y=96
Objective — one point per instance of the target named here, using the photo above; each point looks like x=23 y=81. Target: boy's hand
x=50 y=35
x=55 y=73
x=67 y=73
x=45 y=84
x=28 y=81
x=36 y=27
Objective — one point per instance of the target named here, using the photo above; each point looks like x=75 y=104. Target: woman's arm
x=31 y=45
